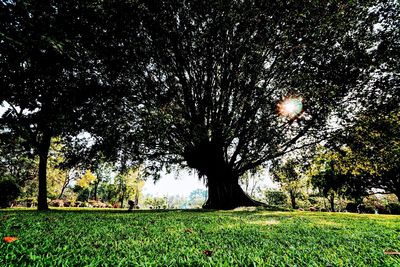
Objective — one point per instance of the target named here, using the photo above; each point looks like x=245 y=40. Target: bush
x=381 y=209
x=9 y=192
x=351 y=207
x=27 y=202
x=362 y=208
x=275 y=197
x=369 y=209
x=394 y=208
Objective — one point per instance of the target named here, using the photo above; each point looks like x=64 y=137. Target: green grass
x=183 y=238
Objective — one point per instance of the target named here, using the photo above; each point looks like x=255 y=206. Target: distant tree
x=83 y=184
x=103 y=171
x=129 y=184
x=328 y=179
x=55 y=181
x=108 y=192
x=251 y=181
x=69 y=176
x=288 y=175
x=373 y=147
x=58 y=178
x=86 y=179
x=275 y=197
x=155 y=202
x=176 y=202
x=197 y=198
x=339 y=172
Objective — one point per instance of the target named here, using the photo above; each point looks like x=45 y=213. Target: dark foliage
x=9 y=191
x=394 y=208
x=210 y=77
x=195 y=83
x=48 y=72
x=275 y=198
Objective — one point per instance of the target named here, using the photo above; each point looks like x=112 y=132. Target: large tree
x=221 y=87
x=225 y=86
x=48 y=74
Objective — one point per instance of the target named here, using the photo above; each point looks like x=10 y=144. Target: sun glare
x=290 y=107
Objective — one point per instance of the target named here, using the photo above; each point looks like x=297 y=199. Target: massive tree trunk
x=224 y=191
x=44 y=147
x=227 y=194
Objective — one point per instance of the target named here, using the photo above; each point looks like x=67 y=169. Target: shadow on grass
x=99 y=210
x=238 y=211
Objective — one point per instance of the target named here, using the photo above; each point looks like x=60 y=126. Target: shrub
x=351 y=207
x=313 y=201
x=57 y=203
x=369 y=209
x=381 y=209
x=275 y=197
x=394 y=208
x=9 y=192
x=27 y=202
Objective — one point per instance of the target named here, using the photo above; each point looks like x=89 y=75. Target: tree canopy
x=221 y=87
x=48 y=74
x=224 y=87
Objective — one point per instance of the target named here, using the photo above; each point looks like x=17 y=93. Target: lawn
x=197 y=238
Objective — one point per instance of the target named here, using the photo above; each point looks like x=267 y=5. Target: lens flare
x=290 y=107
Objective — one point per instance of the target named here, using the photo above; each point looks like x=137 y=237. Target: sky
x=183 y=183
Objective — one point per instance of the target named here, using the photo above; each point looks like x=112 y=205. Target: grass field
x=197 y=238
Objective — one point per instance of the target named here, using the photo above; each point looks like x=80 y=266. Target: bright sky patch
x=290 y=107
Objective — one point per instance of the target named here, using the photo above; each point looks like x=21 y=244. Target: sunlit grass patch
x=327 y=223
x=182 y=238
x=265 y=222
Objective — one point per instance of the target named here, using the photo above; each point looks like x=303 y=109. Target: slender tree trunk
x=332 y=201
x=326 y=208
x=44 y=148
x=62 y=191
x=137 y=195
x=293 y=199
x=66 y=182
x=122 y=199
x=96 y=185
x=253 y=188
